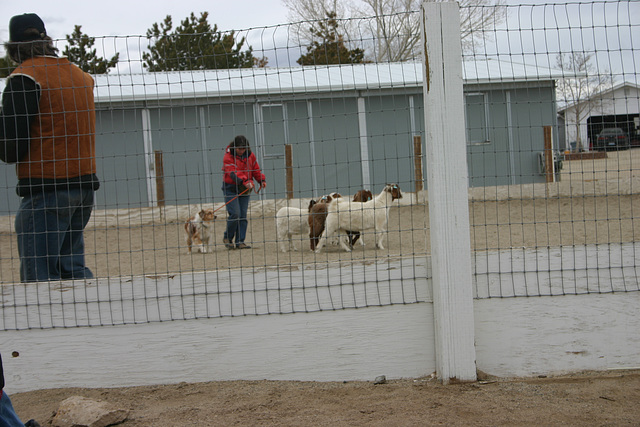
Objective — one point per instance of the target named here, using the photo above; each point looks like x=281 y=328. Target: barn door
x=272 y=135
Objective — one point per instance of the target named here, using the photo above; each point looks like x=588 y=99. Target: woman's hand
x=263 y=185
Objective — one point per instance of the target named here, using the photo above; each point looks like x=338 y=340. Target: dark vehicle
x=612 y=139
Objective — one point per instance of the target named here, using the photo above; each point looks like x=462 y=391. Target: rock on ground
x=78 y=411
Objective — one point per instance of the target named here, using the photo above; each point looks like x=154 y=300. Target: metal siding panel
x=120 y=160
x=390 y=142
x=337 y=145
x=176 y=132
x=531 y=112
x=298 y=125
x=274 y=137
x=490 y=163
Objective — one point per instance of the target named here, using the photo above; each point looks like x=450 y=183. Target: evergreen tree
x=6 y=66
x=80 y=51
x=330 y=49
x=194 y=45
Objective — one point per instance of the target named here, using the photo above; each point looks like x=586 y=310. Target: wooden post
x=289 y=167
x=417 y=162
x=447 y=177
x=549 y=167
x=159 y=167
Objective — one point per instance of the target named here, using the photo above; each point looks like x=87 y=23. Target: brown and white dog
x=199 y=229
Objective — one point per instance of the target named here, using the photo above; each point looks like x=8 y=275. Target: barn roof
x=162 y=86
x=159 y=86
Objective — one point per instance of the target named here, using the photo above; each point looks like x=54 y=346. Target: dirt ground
x=586 y=399
x=160 y=249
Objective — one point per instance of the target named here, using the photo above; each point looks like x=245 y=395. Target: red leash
x=246 y=189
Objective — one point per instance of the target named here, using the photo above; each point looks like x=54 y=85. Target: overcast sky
x=134 y=17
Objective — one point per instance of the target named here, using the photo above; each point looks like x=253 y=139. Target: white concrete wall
x=552 y=335
x=334 y=345
x=524 y=336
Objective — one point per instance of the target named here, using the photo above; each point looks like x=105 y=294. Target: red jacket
x=240 y=170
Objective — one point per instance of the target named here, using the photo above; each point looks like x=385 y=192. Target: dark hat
x=240 y=141
x=19 y=24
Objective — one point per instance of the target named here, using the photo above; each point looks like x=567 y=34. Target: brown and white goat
x=346 y=215
x=317 y=215
x=361 y=196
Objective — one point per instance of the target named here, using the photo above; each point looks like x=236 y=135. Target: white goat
x=346 y=215
x=291 y=221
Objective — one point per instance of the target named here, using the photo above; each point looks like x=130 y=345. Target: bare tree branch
x=579 y=90
x=389 y=30
x=302 y=11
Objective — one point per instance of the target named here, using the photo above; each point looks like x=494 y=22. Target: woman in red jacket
x=240 y=169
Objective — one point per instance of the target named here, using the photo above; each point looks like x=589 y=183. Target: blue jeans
x=237 y=219
x=8 y=416
x=50 y=228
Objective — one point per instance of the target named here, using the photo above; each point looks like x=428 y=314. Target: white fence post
x=447 y=175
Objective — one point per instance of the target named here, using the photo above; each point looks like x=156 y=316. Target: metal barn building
x=349 y=127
